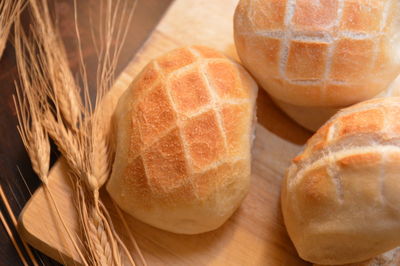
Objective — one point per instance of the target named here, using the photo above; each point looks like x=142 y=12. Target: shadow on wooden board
x=277 y=122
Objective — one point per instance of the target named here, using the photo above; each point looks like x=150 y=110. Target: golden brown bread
x=183 y=137
x=341 y=195
x=330 y=53
x=313 y=118
x=390 y=258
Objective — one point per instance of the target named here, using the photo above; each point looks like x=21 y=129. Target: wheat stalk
x=12 y=238
x=28 y=250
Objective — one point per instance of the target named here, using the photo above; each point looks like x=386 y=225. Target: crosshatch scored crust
x=345 y=185
x=309 y=53
x=183 y=140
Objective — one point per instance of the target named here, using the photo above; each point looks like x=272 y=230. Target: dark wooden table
x=16 y=175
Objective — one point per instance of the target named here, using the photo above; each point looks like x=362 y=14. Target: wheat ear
x=55 y=59
x=9 y=11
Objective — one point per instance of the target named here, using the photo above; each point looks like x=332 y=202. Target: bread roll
x=341 y=195
x=183 y=133
x=313 y=118
x=329 y=53
x=390 y=258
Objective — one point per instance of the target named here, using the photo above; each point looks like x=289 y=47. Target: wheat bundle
x=54 y=109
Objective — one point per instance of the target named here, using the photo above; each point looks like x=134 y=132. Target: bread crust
x=330 y=53
x=312 y=118
x=183 y=133
x=341 y=195
x=390 y=258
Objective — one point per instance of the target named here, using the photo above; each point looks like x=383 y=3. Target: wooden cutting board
x=255 y=235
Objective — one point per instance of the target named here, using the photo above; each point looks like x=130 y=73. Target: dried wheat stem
x=125 y=249
x=70 y=236
x=15 y=223
x=12 y=238
x=131 y=238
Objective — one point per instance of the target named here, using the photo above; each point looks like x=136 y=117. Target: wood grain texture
x=255 y=235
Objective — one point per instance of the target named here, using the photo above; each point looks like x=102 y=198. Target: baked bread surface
x=341 y=195
x=183 y=133
x=390 y=258
x=330 y=53
x=312 y=118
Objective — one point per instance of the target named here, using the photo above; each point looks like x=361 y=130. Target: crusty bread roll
x=390 y=258
x=341 y=195
x=313 y=118
x=329 y=53
x=183 y=133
